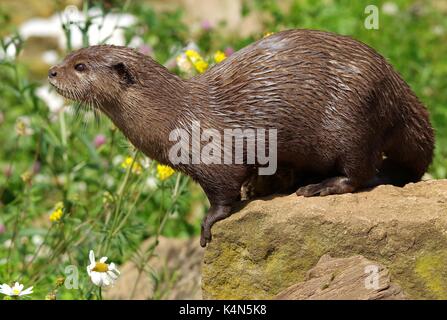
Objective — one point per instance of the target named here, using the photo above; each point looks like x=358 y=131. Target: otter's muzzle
x=52 y=73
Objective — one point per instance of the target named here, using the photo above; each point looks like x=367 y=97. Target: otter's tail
x=409 y=149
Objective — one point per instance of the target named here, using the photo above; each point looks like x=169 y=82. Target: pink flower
x=171 y=64
x=36 y=167
x=8 y=171
x=229 y=51
x=207 y=25
x=145 y=49
x=99 y=140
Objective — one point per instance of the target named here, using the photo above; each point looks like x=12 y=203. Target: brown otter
x=341 y=112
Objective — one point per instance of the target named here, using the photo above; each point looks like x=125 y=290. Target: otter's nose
x=52 y=72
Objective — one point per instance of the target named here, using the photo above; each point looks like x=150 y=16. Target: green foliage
x=164 y=31
x=112 y=198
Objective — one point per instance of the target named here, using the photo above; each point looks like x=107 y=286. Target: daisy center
x=15 y=291
x=101 y=267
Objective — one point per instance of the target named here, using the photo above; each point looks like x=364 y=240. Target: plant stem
x=100 y=293
x=117 y=213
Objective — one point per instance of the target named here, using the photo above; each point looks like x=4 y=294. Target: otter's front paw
x=205 y=235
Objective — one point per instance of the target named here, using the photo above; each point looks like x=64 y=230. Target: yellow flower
x=201 y=66
x=136 y=168
x=107 y=197
x=196 y=59
x=193 y=55
x=50 y=296
x=219 y=56
x=267 y=34
x=23 y=126
x=164 y=172
x=26 y=176
x=60 y=281
x=57 y=213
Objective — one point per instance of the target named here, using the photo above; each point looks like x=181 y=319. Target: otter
x=343 y=115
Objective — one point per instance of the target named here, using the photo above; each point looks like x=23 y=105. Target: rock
x=177 y=263
x=353 y=278
x=271 y=244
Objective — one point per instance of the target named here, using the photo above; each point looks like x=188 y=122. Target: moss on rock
x=271 y=244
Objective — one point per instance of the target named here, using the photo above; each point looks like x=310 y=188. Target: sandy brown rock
x=177 y=263
x=270 y=245
x=353 y=278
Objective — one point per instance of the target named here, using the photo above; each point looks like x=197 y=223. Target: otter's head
x=96 y=75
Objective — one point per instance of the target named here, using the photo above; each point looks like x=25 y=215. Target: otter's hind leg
x=335 y=185
x=357 y=169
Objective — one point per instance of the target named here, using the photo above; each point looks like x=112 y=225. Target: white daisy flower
x=37 y=240
x=16 y=290
x=50 y=57
x=390 y=8
x=145 y=162
x=183 y=63
x=53 y=100
x=101 y=273
x=151 y=183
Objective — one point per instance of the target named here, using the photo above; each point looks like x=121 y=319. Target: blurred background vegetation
x=112 y=197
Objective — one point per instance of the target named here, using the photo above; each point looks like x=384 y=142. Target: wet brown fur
x=340 y=109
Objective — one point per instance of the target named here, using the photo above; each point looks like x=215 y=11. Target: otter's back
x=320 y=90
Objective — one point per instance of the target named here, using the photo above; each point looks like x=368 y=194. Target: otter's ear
x=124 y=73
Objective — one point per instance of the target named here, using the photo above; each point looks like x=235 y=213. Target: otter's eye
x=80 y=67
